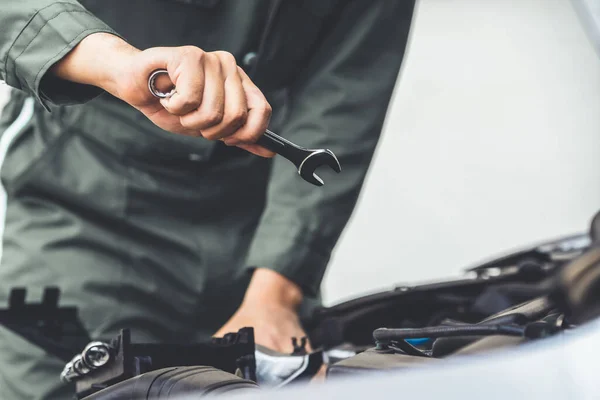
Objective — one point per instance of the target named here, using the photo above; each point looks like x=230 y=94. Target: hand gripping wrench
x=306 y=160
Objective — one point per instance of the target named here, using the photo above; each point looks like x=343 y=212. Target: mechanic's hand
x=274 y=325
x=270 y=308
x=215 y=98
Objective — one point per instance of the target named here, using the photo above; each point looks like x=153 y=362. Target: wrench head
x=314 y=160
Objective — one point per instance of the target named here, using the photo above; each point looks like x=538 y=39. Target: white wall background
x=492 y=141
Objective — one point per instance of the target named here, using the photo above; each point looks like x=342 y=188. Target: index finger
x=259 y=114
x=189 y=79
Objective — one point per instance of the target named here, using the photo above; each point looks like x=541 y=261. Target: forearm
x=97 y=60
x=37 y=34
x=338 y=101
x=270 y=307
x=267 y=286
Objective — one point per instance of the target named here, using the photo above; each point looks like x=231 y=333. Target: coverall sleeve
x=34 y=35
x=339 y=102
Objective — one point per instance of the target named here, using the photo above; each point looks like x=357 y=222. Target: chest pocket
x=295 y=32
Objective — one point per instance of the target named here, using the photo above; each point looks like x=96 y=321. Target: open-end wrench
x=306 y=160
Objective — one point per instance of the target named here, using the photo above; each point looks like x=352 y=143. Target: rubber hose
x=385 y=335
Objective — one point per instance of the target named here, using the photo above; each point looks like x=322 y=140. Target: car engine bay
x=522 y=297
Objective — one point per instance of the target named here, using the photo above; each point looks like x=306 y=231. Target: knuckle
x=225 y=55
x=214 y=117
x=255 y=92
x=265 y=110
x=188 y=105
x=174 y=109
x=238 y=118
x=227 y=59
x=187 y=49
x=194 y=52
x=192 y=103
x=268 y=110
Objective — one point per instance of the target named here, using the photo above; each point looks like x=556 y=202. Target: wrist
x=98 y=60
x=270 y=287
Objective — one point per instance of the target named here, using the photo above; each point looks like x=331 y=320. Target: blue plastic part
x=417 y=341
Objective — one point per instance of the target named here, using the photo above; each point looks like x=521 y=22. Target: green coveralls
x=153 y=231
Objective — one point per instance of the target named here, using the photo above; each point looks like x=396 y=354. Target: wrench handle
x=283 y=147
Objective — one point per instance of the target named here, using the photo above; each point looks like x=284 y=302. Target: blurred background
x=492 y=142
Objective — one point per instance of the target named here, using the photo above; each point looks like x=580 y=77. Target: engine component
x=482 y=344
x=277 y=369
x=529 y=294
x=595 y=228
x=171 y=383
x=375 y=359
x=393 y=351
x=520 y=314
x=57 y=330
x=102 y=365
x=386 y=336
x=95 y=355
x=342 y=352
x=578 y=287
x=489 y=288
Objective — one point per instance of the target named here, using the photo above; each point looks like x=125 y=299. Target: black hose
x=385 y=335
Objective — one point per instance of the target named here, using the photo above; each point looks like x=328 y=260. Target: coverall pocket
x=28 y=142
x=77 y=174
x=51 y=159
x=17 y=155
x=26 y=170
